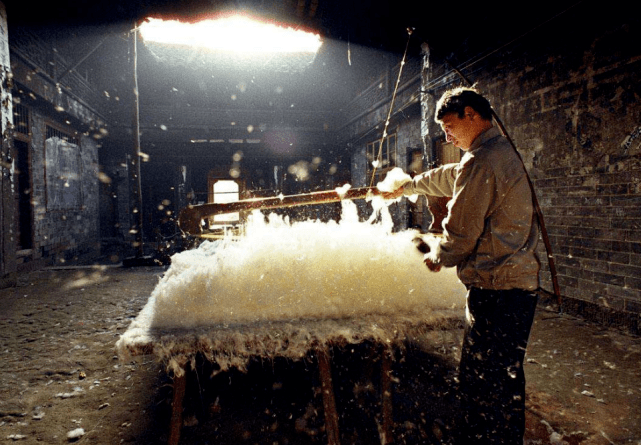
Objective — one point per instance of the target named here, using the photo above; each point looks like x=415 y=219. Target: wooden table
x=233 y=345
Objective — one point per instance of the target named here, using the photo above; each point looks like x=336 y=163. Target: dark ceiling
x=375 y=32
x=381 y=24
x=181 y=103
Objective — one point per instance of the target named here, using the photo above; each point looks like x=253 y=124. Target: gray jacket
x=491 y=230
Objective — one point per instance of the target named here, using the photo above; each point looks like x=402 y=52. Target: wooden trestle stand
x=323 y=356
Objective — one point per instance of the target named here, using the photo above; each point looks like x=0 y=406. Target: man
x=490 y=235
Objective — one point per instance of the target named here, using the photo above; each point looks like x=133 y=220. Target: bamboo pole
x=190 y=218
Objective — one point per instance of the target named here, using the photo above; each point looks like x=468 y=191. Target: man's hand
x=421 y=245
x=392 y=186
x=431 y=265
x=429 y=246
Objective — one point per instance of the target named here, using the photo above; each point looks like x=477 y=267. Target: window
x=382 y=160
x=226 y=191
x=447 y=153
x=63 y=170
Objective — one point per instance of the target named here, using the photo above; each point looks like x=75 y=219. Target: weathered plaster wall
x=67 y=231
x=7 y=203
x=64 y=234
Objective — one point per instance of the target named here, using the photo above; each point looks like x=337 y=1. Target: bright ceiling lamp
x=238 y=34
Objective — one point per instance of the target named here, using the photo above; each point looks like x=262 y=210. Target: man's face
x=459 y=131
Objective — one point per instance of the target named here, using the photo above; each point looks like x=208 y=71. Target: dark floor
x=59 y=373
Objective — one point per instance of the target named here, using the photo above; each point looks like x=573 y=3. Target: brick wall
x=38 y=49
x=571 y=102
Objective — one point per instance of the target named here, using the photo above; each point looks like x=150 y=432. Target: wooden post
x=135 y=172
x=180 y=380
x=386 y=396
x=329 y=402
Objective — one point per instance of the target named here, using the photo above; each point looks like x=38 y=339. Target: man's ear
x=470 y=112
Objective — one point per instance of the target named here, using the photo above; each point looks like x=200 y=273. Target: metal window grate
x=386 y=157
x=53 y=132
x=21 y=119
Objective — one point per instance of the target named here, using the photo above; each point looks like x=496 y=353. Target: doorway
x=23 y=196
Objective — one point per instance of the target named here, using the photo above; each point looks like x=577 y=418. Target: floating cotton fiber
x=310 y=270
x=394 y=179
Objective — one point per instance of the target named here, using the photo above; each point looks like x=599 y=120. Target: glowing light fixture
x=232 y=33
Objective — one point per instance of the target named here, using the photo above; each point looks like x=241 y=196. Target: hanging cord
x=379 y=156
x=535 y=201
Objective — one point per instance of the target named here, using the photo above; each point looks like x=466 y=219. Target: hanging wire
x=379 y=157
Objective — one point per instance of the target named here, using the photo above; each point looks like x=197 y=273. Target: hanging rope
x=379 y=157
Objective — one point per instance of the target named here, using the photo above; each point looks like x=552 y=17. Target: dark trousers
x=491 y=377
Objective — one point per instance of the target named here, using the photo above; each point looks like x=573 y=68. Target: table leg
x=175 y=426
x=386 y=395
x=329 y=402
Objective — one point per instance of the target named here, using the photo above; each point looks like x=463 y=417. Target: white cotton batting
x=395 y=179
x=282 y=271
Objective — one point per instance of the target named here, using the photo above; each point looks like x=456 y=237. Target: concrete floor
x=59 y=374
x=583 y=381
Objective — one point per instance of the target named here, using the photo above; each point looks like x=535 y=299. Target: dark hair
x=455 y=101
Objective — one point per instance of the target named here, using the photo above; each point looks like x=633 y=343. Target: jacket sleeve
x=435 y=182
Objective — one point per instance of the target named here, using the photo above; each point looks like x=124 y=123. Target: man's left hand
x=431 y=259
x=431 y=265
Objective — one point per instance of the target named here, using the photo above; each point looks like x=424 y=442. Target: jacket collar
x=484 y=137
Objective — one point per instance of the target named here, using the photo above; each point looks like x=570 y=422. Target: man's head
x=463 y=114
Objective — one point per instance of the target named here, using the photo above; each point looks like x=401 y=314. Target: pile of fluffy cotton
x=302 y=270
x=299 y=273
